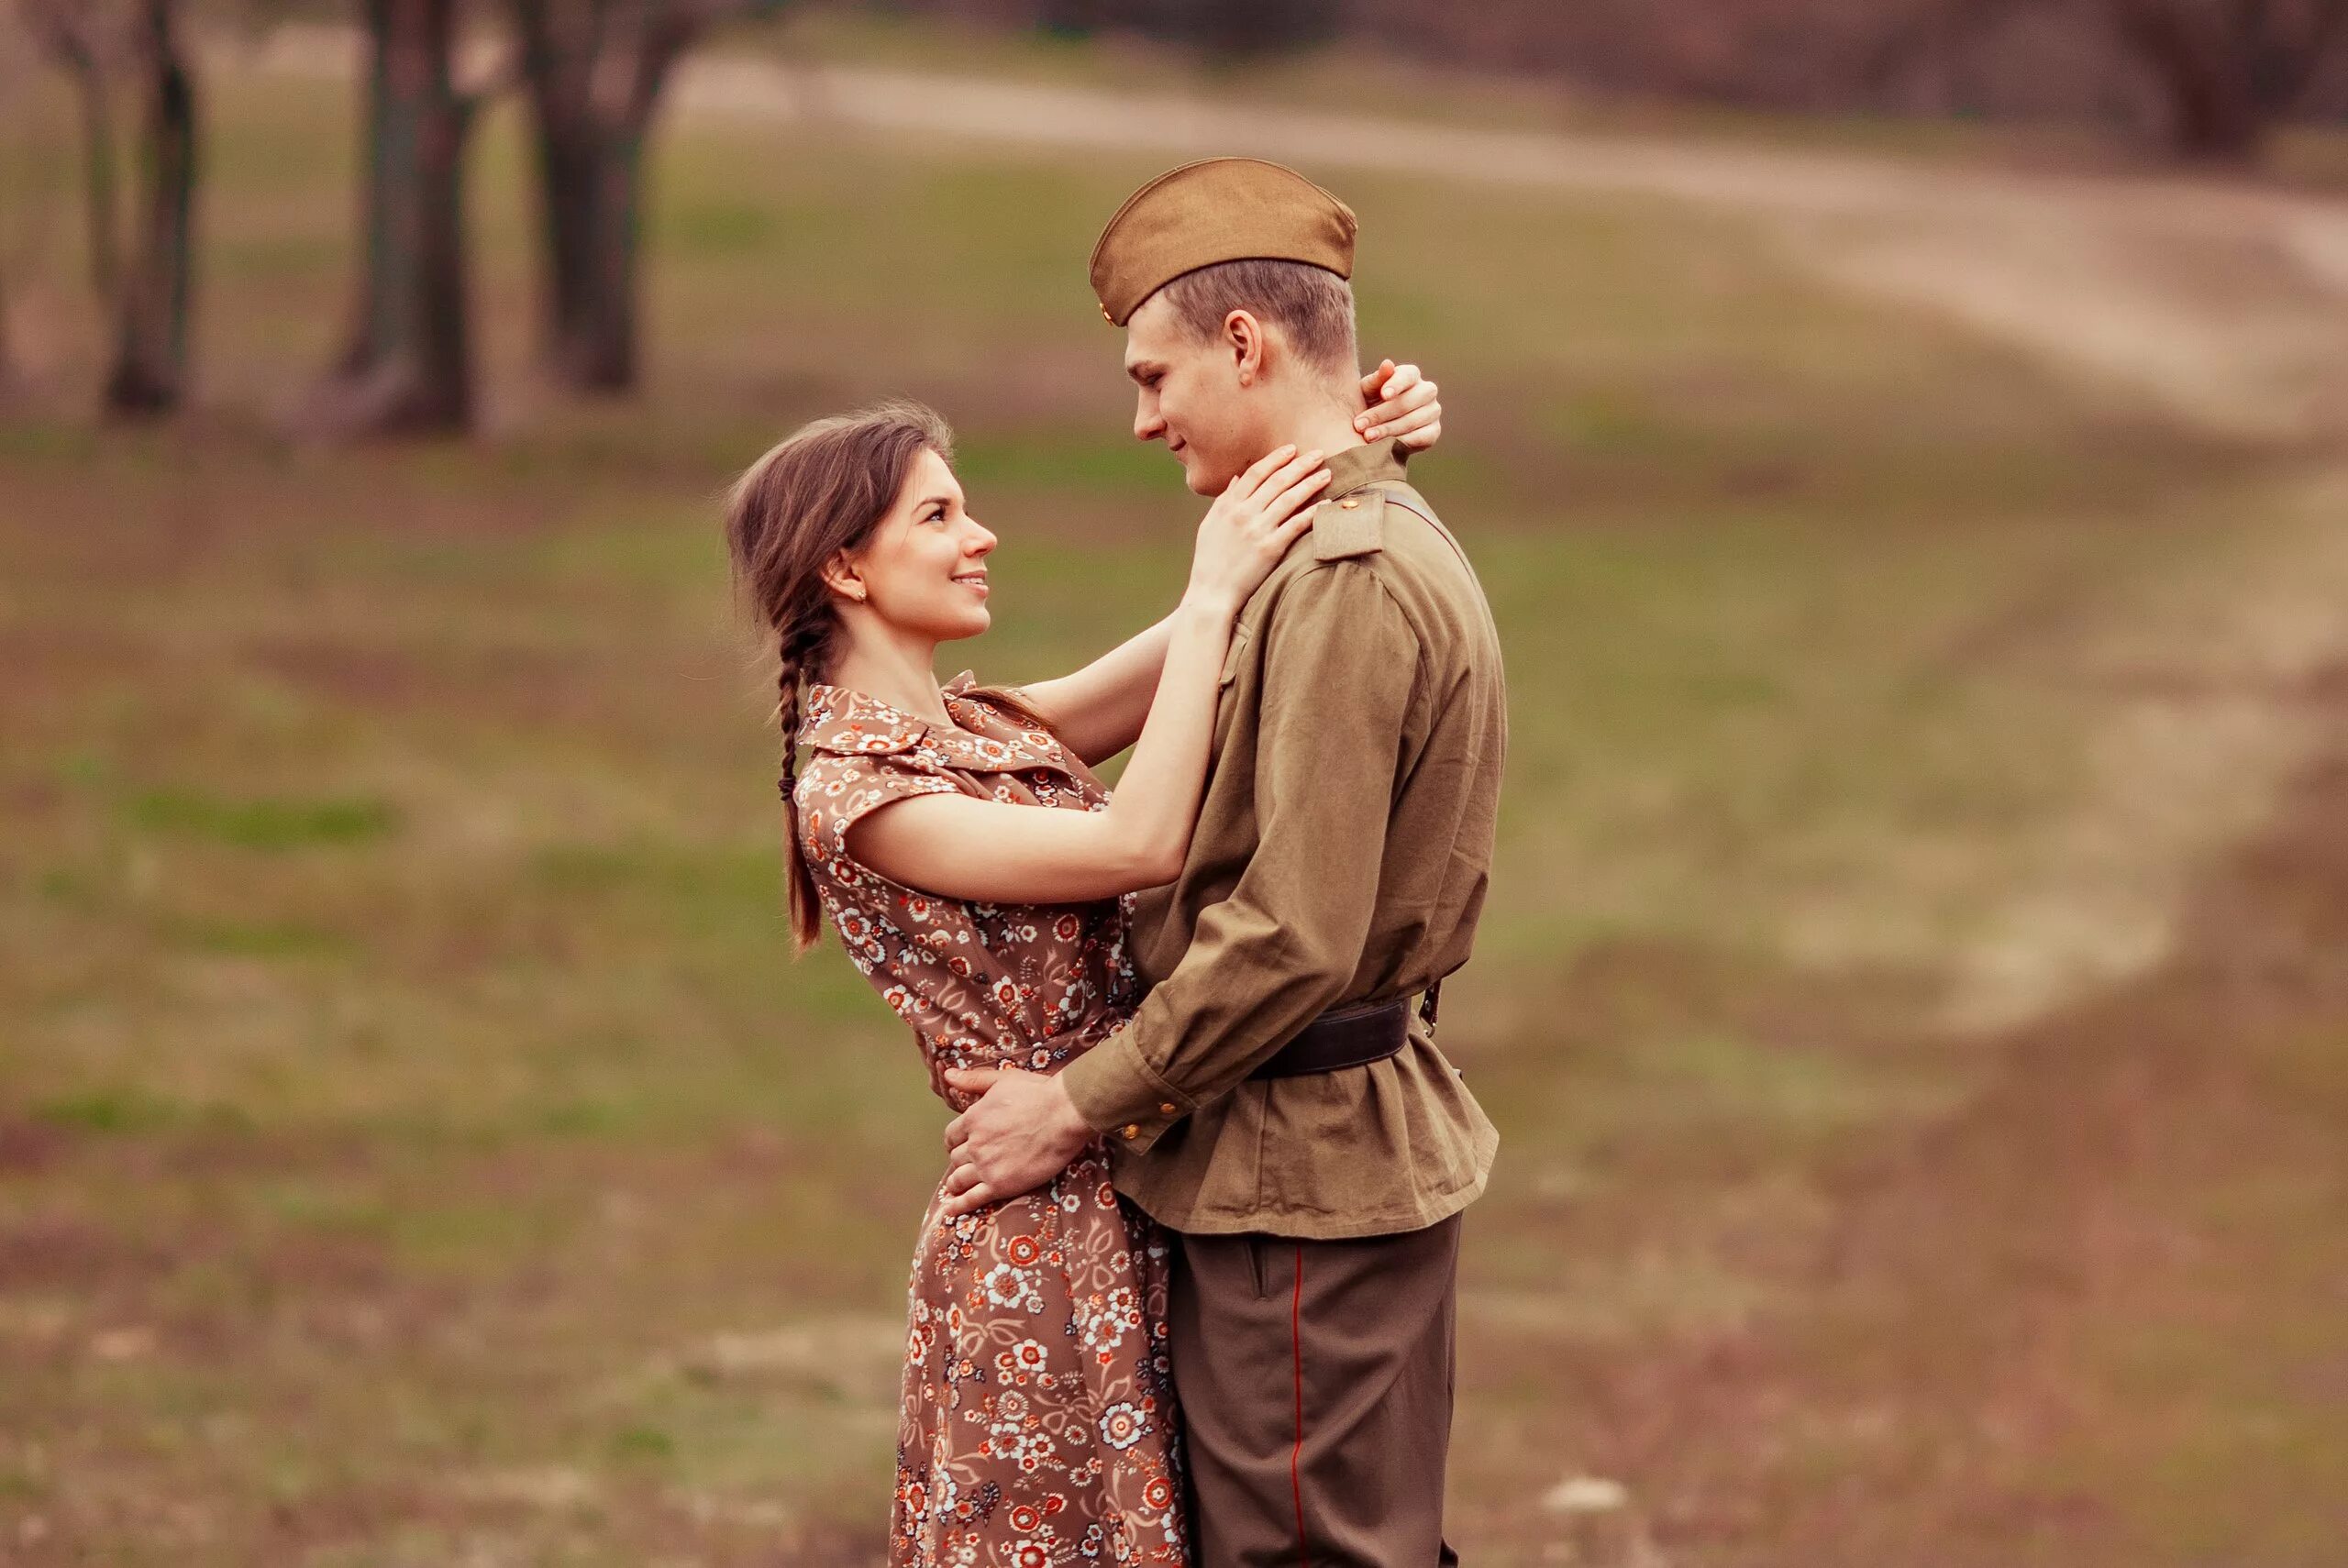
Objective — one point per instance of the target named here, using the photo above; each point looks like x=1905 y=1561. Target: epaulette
x=1350 y=525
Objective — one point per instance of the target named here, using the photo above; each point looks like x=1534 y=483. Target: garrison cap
x=1220 y=209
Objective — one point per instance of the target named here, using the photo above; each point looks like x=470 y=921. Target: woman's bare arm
x=961 y=848
x=1001 y=853
x=1098 y=710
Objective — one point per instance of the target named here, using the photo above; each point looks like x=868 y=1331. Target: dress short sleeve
x=837 y=791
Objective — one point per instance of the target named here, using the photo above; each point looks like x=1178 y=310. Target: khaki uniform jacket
x=1341 y=857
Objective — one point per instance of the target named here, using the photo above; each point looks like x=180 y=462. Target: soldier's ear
x=1243 y=338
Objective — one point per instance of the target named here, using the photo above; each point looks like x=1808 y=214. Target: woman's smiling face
x=924 y=570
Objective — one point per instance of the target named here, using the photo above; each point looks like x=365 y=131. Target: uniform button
x=1166 y=1107
x=1349 y=504
x=1132 y=1129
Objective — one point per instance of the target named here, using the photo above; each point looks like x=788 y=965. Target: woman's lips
x=977 y=583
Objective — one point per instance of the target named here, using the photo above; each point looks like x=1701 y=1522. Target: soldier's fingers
x=968 y=1201
x=958 y=1131
x=961 y=1178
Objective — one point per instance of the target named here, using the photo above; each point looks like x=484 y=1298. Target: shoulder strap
x=1398 y=493
x=1350 y=525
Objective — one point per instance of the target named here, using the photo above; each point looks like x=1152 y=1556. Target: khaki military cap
x=1221 y=209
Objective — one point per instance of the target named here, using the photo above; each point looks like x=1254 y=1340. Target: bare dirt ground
x=2086 y=1319
x=2125 y=1235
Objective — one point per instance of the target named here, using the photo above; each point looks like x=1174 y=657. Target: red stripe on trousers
x=1296 y=1455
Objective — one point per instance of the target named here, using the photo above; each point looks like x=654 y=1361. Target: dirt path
x=2223 y=301
x=2117 y=1264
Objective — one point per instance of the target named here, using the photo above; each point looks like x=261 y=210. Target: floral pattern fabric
x=1038 y=1426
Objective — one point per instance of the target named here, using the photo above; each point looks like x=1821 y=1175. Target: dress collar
x=990 y=739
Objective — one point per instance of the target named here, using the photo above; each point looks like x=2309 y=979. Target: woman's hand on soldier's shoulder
x=1403 y=403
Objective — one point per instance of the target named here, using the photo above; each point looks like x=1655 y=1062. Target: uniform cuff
x=1119 y=1096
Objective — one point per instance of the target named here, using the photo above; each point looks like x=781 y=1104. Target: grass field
x=416 y=1148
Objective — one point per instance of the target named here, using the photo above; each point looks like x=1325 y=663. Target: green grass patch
x=261 y=939
x=272 y=827
x=131 y=1109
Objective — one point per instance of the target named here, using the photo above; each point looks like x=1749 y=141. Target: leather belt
x=1347 y=1037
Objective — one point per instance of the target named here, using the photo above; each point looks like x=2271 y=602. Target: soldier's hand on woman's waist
x=1023 y=1132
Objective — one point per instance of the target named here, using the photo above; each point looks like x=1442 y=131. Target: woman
x=1037 y=1424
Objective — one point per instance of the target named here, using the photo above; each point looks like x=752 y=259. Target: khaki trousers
x=1316 y=1381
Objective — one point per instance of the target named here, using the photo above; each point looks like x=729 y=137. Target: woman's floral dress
x=1037 y=1427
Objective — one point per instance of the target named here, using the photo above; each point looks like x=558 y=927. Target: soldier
x=1278 y=1101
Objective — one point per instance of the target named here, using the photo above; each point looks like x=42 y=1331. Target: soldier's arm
x=1340 y=671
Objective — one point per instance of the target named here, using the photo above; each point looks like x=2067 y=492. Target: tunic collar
x=1356 y=468
x=840 y=719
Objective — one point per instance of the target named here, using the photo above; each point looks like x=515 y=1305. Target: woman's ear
x=841 y=577
x=1243 y=336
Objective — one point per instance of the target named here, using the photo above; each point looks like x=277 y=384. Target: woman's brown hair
x=821 y=491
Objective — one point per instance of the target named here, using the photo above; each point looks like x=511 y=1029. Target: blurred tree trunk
x=150 y=349
x=596 y=70
x=407 y=365
x=2229 y=69
x=11 y=385
x=148 y=293
x=71 y=37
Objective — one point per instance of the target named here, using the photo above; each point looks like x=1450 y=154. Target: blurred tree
x=2229 y=69
x=1221 y=29
x=595 y=70
x=1235 y=29
x=11 y=385
x=150 y=292
x=407 y=367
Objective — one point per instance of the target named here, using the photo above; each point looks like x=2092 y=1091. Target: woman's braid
x=799 y=647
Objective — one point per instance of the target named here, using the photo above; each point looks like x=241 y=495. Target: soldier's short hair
x=1313 y=306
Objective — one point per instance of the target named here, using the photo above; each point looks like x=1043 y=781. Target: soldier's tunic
x=1341 y=857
